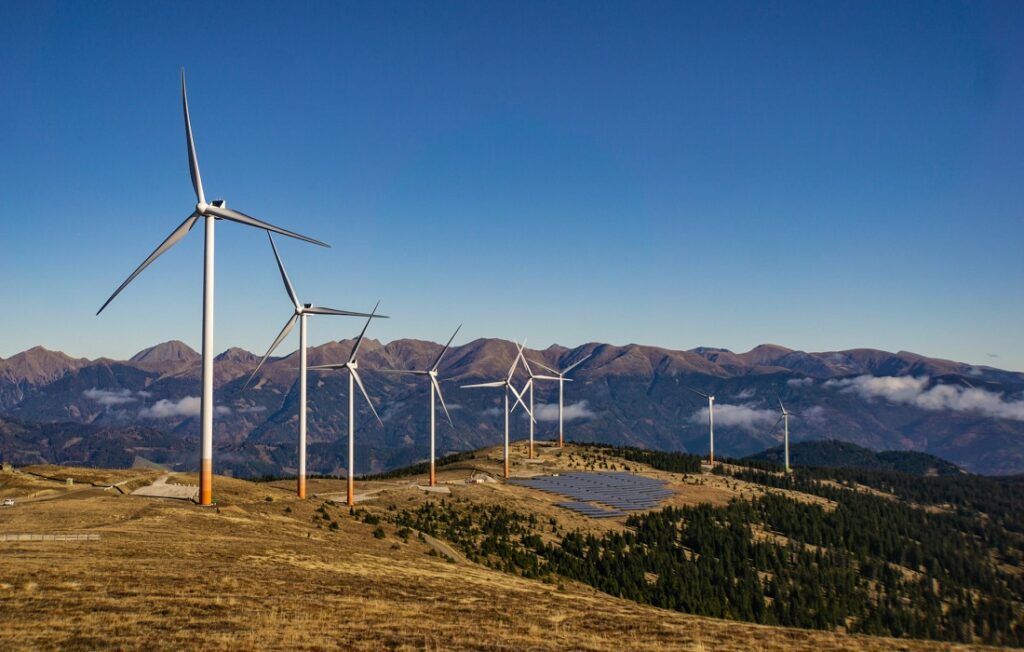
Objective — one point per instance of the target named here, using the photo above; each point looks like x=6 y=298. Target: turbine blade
x=544 y=366
x=529 y=372
x=359 y=340
x=284 y=275
x=437 y=387
x=515 y=361
x=519 y=397
x=362 y=388
x=327 y=367
x=317 y=310
x=280 y=337
x=408 y=372
x=193 y=160
x=577 y=363
x=698 y=393
x=441 y=354
x=171 y=240
x=780 y=404
x=499 y=383
x=235 y=216
x=548 y=378
x=772 y=431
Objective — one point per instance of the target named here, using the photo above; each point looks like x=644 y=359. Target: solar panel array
x=591 y=492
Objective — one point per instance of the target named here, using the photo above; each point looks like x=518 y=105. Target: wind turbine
x=506 y=384
x=529 y=387
x=711 y=421
x=561 y=378
x=211 y=212
x=435 y=388
x=785 y=420
x=302 y=311
x=352 y=365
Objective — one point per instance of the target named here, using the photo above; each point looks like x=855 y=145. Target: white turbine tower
x=561 y=378
x=302 y=311
x=785 y=421
x=352 y=365
x=217 y=210
x=711 y=422
x=529 y=387
x=506 y=384
x=435 y=388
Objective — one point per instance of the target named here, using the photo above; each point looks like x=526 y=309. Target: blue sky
x=824 y=175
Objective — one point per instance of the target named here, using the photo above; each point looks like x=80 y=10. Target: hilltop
x=845 y=454
x=486 y=565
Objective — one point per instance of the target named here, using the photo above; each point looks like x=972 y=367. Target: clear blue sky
x=823 y=176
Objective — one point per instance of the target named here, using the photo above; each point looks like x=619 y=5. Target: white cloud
x=814 y=416
x=144 y=394
x=549 y=412
x=914 y=391
x=109 y=397
x=745 y=394
x=249 y=409
x=491 y=412
x=185 y=407
x=799 y=382
x=744 y=416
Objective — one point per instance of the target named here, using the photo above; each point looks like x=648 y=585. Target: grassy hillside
x=486 y=566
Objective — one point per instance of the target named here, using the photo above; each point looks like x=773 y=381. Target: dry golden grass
x=259 y=574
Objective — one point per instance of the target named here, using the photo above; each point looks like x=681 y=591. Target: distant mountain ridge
x=626 y=395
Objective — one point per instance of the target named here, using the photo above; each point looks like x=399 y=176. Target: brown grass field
x=258 y=572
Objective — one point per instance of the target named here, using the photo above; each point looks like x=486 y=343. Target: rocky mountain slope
x=633 y=395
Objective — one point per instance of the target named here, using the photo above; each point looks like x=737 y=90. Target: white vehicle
x=8 y=502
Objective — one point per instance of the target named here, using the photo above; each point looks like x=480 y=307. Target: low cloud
x=491 y=412
x=746 y=417
x=108 y=397
x=814 y=416
x=189 y=406
x=908 y=390
x=799 y=382
x=549 y=412
x=249 y=409
x=745 y=394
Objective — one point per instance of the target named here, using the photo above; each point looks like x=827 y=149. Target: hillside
x=496 y=566
x=845 y=454
x=633 y=394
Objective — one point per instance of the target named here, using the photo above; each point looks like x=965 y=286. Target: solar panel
x=592 y=491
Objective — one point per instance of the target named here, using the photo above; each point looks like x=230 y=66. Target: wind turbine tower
x=785 y=428
x=711 y=423
x=506 y=384
x=529 y=387
x=302 y=311
x=435 y=388
x=352 y=366
x=561 y=378
x=211 y=212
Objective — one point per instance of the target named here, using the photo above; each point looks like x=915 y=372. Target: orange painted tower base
x=351 y=490
x=433 y=477
x=506 y=469
x=206 y=482
x=301 y=488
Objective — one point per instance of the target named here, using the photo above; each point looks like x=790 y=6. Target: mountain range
x=147 y=407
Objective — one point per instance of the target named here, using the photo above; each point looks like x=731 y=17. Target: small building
x=69 y=481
